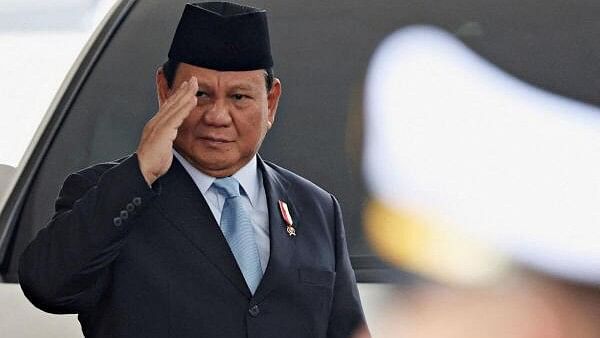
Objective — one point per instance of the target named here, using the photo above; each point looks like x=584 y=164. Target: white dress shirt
x=253 y=193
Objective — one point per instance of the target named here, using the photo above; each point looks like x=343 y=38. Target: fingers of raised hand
x=183 y=110
x=181 y=102
x=186 y=88
x=182 y=107
x=174 y=97
x=174 y=102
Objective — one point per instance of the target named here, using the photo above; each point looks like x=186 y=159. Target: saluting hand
x=154 y=150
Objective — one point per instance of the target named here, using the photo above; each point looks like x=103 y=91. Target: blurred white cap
x=468 y=165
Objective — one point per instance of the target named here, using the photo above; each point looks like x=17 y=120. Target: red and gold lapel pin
x=285 y=213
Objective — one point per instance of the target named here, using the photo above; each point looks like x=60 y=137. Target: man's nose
x=218 y=113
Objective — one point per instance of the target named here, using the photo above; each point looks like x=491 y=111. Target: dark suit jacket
x=139 y=262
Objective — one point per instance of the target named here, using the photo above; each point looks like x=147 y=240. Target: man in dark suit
x=195 y=235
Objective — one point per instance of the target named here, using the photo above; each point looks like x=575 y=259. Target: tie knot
x=228 y=185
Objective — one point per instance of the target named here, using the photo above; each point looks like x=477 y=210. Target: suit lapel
x=282 y=245
x=183 y=204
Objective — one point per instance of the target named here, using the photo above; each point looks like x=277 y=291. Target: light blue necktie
x=237 y=228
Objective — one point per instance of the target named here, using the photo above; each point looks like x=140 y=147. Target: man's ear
x=162 y=87
x=273 y=100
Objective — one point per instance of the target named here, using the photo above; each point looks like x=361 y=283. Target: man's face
x=226 y=128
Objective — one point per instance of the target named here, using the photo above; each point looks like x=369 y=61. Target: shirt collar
x=248 y=176
x=249 y=179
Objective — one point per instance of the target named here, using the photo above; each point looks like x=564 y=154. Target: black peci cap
x=222 y=36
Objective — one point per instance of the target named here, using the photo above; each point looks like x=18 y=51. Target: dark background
x=321 y=51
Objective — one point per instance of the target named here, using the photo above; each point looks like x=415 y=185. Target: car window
x=40 y=43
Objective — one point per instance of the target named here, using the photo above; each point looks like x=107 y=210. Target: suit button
x=137 y=201
x=130 y=207
x=254 y=311
x=124 y=214
x=117 y=221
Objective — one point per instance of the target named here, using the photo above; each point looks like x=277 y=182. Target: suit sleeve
x=66 y=267
x=346 y=312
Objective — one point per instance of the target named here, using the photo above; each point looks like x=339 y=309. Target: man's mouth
x=215 y=140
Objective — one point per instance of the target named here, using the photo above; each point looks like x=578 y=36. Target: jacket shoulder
x=299 y=184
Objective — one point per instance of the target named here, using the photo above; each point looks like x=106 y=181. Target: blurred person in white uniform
x=490 y=191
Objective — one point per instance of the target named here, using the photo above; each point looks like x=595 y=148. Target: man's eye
x=239 y=96
x=201 y=94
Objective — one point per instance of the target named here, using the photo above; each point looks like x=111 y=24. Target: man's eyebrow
x=204 y=85
x=242 y=86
